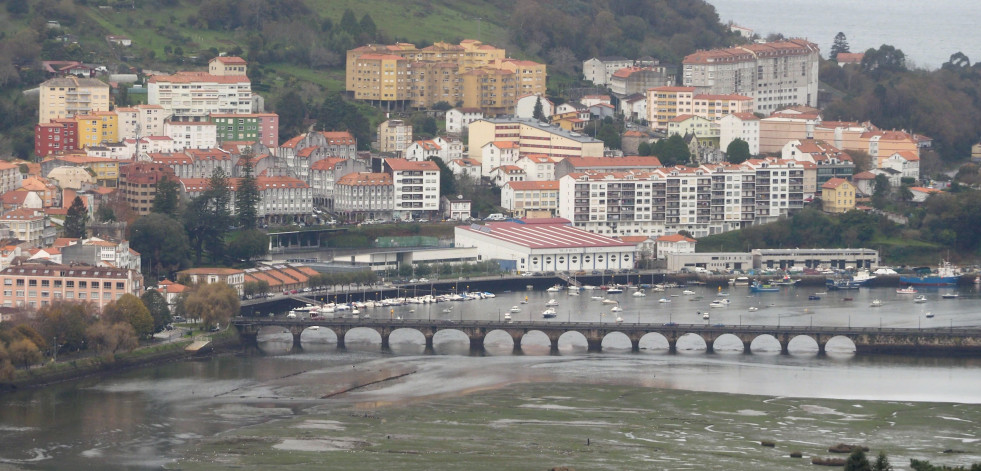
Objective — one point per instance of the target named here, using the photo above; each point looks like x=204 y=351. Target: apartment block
x=64 y=97
x=195 y=95
x=365 y=196
x=394 y=135
x=251 y=127
x=775 y=74
x=35 y=285
x=532 y=137
x=58 y=135
x=533 y=199
x=416 y=184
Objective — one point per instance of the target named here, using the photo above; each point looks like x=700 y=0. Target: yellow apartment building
x=64 y=97
x=97 y=127
x=533 y=137
x=666 y=103
x=491 y=90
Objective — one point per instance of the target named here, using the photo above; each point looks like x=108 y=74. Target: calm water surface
x=144 y=419
x=927 y=32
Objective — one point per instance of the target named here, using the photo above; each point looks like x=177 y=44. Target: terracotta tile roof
x=230 y=60
x=609 y=162
x=850 y=57
x=365 y=179
x=675 y=238
x=203 y=77
x=863 y=176
x=834 y=183
x=722 y=97
x=909 y=156
x=326 y=164
x=401 y=165
x=673 y=89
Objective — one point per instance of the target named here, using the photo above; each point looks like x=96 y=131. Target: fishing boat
x=785 y=281
x=841 y=284
x=758 y=287
x=876 y=303
x=813 y=297
x=740 y=281
x=946 y=276
x=950 y=295
x=907 y=290
x=920 y=299
x=549 y=313
x=862 y=277
x=614 y=290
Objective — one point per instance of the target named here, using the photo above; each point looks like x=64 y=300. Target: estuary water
x=361 y=408
x=927 y=32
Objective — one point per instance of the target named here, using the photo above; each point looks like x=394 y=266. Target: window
x=69 y=284
x=83 y=284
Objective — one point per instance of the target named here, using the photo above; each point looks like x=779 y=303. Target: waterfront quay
x=948 y=341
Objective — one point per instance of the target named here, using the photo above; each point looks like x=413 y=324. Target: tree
x=349 y=23
x=538 y=113
x=292 y=111
x=672 y=151
x=109 y=338
x=167 y=198
x=737 y=151
x=247 y=196
x=958 y=61
x=248 y=245
x=24 y=352
x=6 y=367
x=162 y=243
x=857 y=461
x=447 y=180
x=159 y=310
x=207 y=218
x=105 y=214
x=213 y=303
x=368 y=29
x=76 y=218
x=886 y=59
x=261 y=287
x=64 y=323
x=128 y=308
x=840 y=45
x=881 y=463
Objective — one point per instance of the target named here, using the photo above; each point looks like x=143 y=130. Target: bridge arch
x=689 y=342
x=765 y=343
x=572 y=340
x=360 y=337
x=654 y=341
x=405 y=340
x=318 y=334
x=804 y=344
x=448 y=341
x=533 y=342
x=499 y=341
x=617 y=340
x=840 y=344
x=270 y=332
x=728 y=343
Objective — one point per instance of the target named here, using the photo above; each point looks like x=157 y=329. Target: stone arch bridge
x=942 y=341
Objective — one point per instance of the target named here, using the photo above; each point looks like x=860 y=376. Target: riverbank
x=97 y=365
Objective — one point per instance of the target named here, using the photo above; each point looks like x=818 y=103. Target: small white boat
x=619 y=320
x=950 y=296
x=664 y=300
x=920 y=299
x=515 y=309
x=596 y=298
x=588 y=287
x=448 y=310
x=705 y=316
x=907 y=290
x=616 y=309
x=507 y=317
x=551 y=303
x=554 y=289
x=573 y=293
x=688 y=291
x=315 y=327
x=716 y=303
x=876 y=303
x=753 y=309
x=610 y=301
x=614 y=290
x=639 y=294
x=549 y=313
x=929 y=315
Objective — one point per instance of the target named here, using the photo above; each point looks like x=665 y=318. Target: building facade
x=36 y=285
x=394 y=135
x=532 y=137
x=365 y=196
x=416 y=184
x=64 y=97
x=195 y=95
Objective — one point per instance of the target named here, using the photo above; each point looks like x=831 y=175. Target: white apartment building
x=141 y=121
x=364 y=196
x=537 y=167
x=599 y=70
x=459 y=119
x=198 y=94
x=497 y=154
x=416 y=191
x=191 y=134
x=524 y=106
x=280 y=198
x=467 y=168
x=745 y=126
x=394 y=135
x=324 y=175
x=106 y=254
x=775 y=74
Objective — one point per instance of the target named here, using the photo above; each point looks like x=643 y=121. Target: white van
x=495 y=217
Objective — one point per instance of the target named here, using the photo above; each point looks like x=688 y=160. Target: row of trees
x=858 y=461
x=204 y=227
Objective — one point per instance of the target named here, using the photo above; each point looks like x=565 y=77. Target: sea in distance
x=927 y=32
x=363 y=408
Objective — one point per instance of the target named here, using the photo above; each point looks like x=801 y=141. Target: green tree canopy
x=292 y=111
x=840 y=45
x=167 y=198
x=672 y=151
x=162 y=244
x=159 y=310
x=857 y=461
x=737 y=151
x=447 y=180
x=66 y=322
x=109 y=338
x=247 y=195
x=76 y=219
x=248 y=245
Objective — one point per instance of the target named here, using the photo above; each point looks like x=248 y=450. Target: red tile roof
x=675 y=238
x=401 y=165
x=834 y=183
x=539 y=185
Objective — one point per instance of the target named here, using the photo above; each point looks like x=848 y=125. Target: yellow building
x=64 y=97
x=442 y=72
x=491 y=90
x=533 y=137
x=227 y=65
x=665 y=103
x=838 y=196
x=97 y=127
